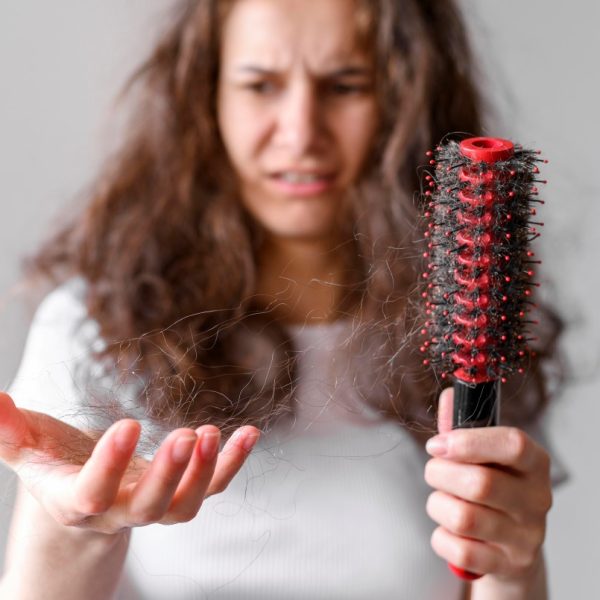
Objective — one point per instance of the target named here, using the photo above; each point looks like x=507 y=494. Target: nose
x=299 y=123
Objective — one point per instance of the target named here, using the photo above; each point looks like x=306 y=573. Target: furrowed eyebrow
x=349 y=71
x=342 y=72
x=253 y=69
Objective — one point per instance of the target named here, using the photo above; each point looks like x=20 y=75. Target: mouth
x=303 y=177
x=302 y=184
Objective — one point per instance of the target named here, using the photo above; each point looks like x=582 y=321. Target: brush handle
x=474 y=406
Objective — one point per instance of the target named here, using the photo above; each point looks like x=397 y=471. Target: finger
x=470 y=520
x=191 y=490
x=97 y=484
x=467 y=554
x=506 y=446
x=445 y=408
x=482 y=485
x=154 y=491
x=13 y=430
x=232 y=457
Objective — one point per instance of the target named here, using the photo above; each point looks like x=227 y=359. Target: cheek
x=242 y=136
x=357 y=133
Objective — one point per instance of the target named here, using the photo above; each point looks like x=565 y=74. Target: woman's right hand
x=101 y=485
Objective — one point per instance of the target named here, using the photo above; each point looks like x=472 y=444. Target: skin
x=491 y=486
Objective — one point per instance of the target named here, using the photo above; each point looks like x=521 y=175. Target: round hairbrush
x=480 y=199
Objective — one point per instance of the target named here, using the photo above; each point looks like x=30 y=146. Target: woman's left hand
x=492 y=494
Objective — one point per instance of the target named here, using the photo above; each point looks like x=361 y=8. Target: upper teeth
x=294 y=177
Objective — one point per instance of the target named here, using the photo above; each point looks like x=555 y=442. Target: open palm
x=97 y=482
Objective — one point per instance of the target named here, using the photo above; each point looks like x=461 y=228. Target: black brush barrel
x=476 y=405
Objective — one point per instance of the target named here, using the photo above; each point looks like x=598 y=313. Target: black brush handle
x=476 y=405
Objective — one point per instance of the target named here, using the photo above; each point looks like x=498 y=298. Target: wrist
x=530 y=585
x=102 y=540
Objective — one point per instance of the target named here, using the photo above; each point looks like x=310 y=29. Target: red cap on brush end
x=486 y=149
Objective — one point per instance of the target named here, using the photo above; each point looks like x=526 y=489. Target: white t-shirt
x=331 y=506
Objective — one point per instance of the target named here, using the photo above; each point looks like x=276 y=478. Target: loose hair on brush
x=169 y=256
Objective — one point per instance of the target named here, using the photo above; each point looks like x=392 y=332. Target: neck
x=303 y=281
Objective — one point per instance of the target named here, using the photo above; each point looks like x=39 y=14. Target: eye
x=348 y=89
x=261 y=87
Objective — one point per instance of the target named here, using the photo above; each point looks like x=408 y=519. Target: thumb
x=445 y=409
x=13 y=428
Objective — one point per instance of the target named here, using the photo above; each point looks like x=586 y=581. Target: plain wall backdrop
x=62 y=63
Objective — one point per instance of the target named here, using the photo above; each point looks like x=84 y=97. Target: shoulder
x=60 y=342
x=62 y=321
x=65 y=304
x=60 y=373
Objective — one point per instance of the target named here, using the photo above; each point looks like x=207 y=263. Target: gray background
x=61 y=64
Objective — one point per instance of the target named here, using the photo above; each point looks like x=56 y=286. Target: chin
x=301 y=234
x=315 y=219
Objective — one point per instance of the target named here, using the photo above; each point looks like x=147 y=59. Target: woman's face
x=297 y=110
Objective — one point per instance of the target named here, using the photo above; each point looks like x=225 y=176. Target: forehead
x=280 y=33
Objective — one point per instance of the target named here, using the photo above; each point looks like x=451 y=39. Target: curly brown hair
x=169 y=255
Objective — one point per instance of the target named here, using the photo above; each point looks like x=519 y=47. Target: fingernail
x=182 y=449
x=209 y=445
x=437 y=446
x=122 y=439
x=249 y=441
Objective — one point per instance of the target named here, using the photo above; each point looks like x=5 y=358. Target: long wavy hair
x=169 y=256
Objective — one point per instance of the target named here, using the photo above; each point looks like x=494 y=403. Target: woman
x=244 y=265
